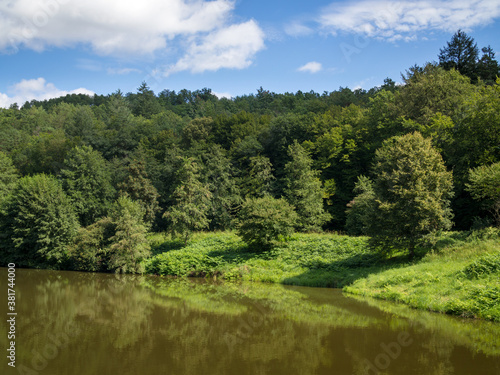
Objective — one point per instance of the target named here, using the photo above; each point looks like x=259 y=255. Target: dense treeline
x=104 y=170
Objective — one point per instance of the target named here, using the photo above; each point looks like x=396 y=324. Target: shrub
x=265 y=221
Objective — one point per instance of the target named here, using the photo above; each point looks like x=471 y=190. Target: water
x=71 y=323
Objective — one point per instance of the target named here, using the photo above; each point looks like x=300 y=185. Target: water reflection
x=79 y=323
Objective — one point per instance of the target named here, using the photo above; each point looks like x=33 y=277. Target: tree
x=263 y=222
x=192 y=202
x=485 y=185
x=257 y=182
x=145 y=103
x=461 y=53
x=488 y=67
x=360 y=208
x=139 y=188
x=87 y=181
x=90 y=248
x=412 y=193
x=303 y=189
x=8 y=176
x=218 y=175
x=129 y=245
x=39 y=223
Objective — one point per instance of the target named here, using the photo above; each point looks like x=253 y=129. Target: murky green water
x=72 y=323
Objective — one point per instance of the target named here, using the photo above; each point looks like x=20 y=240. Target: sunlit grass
x=455 y=273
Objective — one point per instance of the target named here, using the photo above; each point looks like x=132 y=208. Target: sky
x=49 y=48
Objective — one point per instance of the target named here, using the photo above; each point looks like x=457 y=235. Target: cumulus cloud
x=311 y=67
x=38 y=89
x=132 y=28
x=396 y=20
x=110 y=26
x=232 y=47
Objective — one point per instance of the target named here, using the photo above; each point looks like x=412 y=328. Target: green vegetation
x=39 y=223
x=264 y=222
x=84 y=182
x=460 y=276
x=411 y=193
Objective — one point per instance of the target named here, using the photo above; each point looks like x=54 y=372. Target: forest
x=85 y=180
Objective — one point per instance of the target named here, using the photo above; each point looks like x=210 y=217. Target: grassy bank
x=458 y=273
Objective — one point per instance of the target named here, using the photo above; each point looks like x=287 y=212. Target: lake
x=71 y=323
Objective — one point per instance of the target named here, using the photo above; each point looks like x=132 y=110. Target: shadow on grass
x=166 y=245
x=346 y=271
x=241 y=254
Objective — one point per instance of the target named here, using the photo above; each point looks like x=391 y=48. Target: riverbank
x=457 y=273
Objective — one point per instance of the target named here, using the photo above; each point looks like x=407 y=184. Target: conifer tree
x=192 y=202
x=129 y=245
x=303 y=189
x=87 y=181
x=139 y=188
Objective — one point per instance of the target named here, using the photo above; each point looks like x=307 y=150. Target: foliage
x=303 y=190
x=412 y=190
x=485 y=185
x=361 y=207
x=192 y=199
x=139 y=188
x=218 y=174
x=461 y=278
x=39 y=223
x=257 y=182
x=263 y=222
x=89 y=250
x=8 y=176
x=129 y=245
x=87 y=181
x=461 y=53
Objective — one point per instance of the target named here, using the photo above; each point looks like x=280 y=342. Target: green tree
x=263 y=222
x=488 y=67
x=191 y=202
x=139 y=188
x=87 y=181
x=89 y=250
x=39 y=223
x=218 y=175
x=257 y=181
x=129 y=245
x=484 y=186
x=461 y=53
x=145 y=103
x=8 y=176
x=303 y=189
x=412 y=193
x=360 y=208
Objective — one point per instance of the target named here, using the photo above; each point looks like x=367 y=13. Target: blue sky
x=49 y=48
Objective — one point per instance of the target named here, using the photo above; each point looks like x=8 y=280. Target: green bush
x=263 y=222
x=483 y=266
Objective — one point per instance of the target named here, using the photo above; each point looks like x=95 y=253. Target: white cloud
x=168 y=28
x=296 y=28
x=111 y=26
x=396 y=20
x=221 y=95
x=311 y=67
x=232 y=47
x=38 y=89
